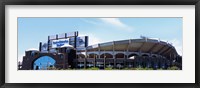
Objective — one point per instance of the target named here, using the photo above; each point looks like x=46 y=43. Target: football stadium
x=71 y=51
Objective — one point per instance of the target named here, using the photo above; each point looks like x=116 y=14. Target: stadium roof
x=144 y=45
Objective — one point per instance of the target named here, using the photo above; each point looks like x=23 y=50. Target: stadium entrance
x=44 y=63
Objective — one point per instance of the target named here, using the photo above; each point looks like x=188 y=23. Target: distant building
x=69 y=50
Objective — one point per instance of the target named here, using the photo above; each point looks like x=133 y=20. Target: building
x=71 y=51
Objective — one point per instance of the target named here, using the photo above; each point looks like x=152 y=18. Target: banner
x=60 y=43
x=44 y=47
x=81 y=42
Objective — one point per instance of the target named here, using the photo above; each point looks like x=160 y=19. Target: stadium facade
x=71 y=51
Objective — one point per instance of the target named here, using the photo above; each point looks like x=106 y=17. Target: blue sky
x=31 y=31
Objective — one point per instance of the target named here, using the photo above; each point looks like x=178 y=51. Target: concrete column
x=94 y=61
x=104 y=62
x=140 y=58
x=125 y=59
x=63 y=61
x=127 y=50
x=104 y=58
x=114 y=55
x=84 y=63
x=140 y=54
x=99 y=51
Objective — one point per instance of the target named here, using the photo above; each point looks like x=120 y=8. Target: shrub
x=149 y=68
x=109 y=68
x=52 y=68
x=139 y=68
x=173 y=68
x=93 y=68
x=160 y=69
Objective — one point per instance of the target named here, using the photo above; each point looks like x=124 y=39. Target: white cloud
x=89 y=21
x=116 y=22
x=113 y=21
x=178 y=46
x=93 y=39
